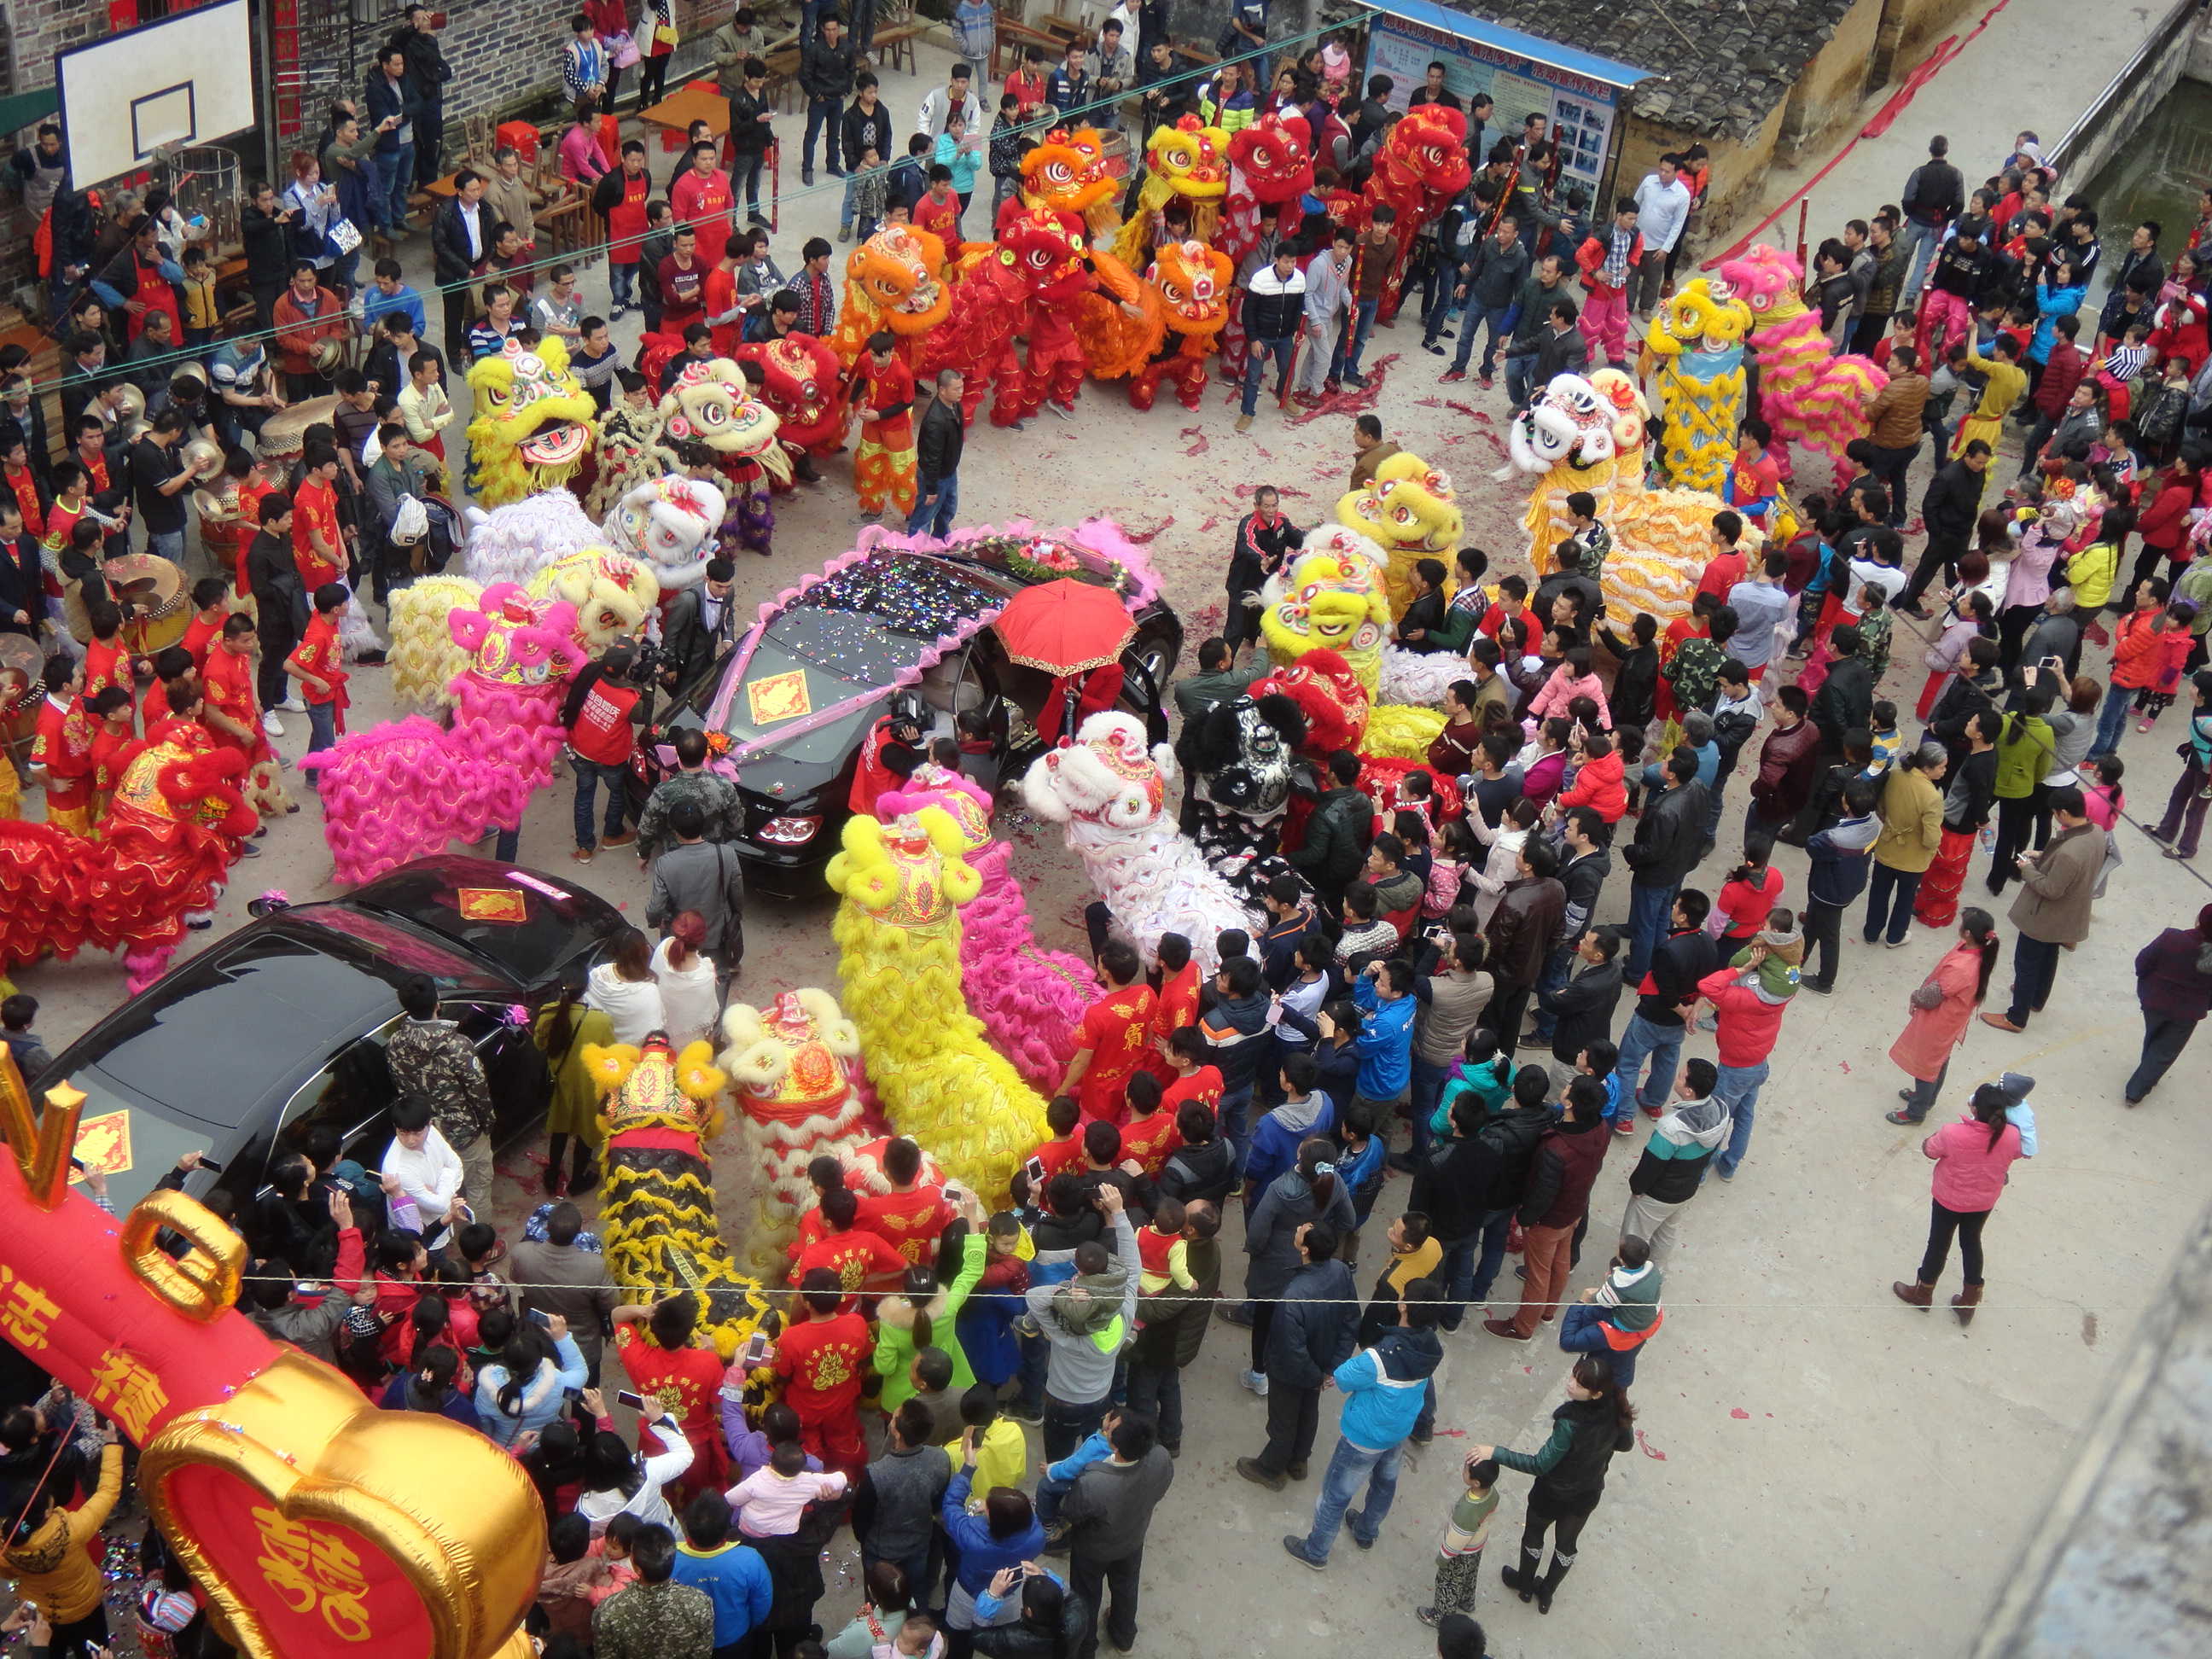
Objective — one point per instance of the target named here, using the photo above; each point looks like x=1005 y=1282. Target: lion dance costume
x=1110 y=794
x=1029 y=999
x=1411 y=512
x=173 y=825
x=1806 y=393
x=657 y=1215
x=1182 y=303
x=1331 y=597
x=1066 y=171
x=894 y=282
x=534 y=425
x=712 y=403
x=794 y=1065
x=1028 y=285
x=1420 y=167
x=1698 y=340
x=898 y=936
x=1589 y=433
x=1270 y=165
x=1187 y=161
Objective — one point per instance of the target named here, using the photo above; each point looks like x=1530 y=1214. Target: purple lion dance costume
x=403 y=790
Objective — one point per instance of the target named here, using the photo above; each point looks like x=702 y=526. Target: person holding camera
x=604 y=708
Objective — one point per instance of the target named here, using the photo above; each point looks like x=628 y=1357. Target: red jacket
x=1599 y=785
x=1589 y=259
x=2067 y=364
x=1749 y=1023
x=2138 y=650
x=2165 y=521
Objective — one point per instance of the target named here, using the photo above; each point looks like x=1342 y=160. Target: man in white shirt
x=1662 y=208
x=420 y=1164
x=940 y=101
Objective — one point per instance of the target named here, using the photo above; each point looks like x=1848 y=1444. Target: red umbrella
x=1064 y=627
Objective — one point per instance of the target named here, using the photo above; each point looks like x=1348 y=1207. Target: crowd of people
x=1434 y=957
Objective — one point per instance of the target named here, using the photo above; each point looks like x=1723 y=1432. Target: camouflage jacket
x=432 y=1058
x=715 y=796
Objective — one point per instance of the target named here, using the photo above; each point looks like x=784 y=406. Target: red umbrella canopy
x=1064 y=627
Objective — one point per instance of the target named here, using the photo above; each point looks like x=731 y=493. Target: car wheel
x=1157 y=657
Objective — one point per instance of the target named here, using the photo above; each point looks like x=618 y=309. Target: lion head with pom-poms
x=1067 y=169
x=1410 y=511
x=806 y=387
x=896 y=281
x=668 y=523
x=712 y=403
x=793 y=1064
x=1275 y=156
x=657 y=1212
x=534 y=424
x=1331 y=597
x=1328 y=696
x=1423 y=159
x=899 y=935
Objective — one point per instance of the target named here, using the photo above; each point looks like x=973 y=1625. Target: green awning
x=23 y=109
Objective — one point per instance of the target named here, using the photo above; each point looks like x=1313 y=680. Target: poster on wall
x=1577 y=94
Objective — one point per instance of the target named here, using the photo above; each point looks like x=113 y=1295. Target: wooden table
x=891 y=45
x=677 y=112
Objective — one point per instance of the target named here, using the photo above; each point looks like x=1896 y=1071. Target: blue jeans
x=935 y=501
x=1553 y=977
x=1663 y=1046
x=821 y=112
x=1049 y=1495
x=1738 y=1090
x=845 y=202
x=1890 y=894
x=1428 y=1088
x=622 y=281
x=395 y=177
x=507 y=846
x=1919 y=247
x=589 y=776
x=745 y=175
x=1066 y=1425
x=1350 y=1465
x=167 y=544
x=1517 y=377
x=1157 y=1391
x=1364 y=321
x=1650 y=908
x=1036 y=1358
x=2112 y=719
x=1236 y=1108
x=322 y=729
x=1470 y=1266
x=1255 y=364
x=1472 y=316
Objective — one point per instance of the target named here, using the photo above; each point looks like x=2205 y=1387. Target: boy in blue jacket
x=1385 y=1044
x=1384 y=1386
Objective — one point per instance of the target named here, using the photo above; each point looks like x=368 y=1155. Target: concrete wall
x=1830 y=90
x=2095 y=141
x=1911 y=30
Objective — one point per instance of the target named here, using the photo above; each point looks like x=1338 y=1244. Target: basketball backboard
x=185 y=80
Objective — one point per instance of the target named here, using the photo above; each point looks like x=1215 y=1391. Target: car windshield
x=211 y=1039
x=528 y=926
x=857 y=628
x=134 y=1143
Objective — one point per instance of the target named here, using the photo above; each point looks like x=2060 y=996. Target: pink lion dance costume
x=403 y=790
x=1029 y=999
x=174 y=825
x=1806 y=393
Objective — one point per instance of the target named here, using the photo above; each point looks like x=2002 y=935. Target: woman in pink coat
x=1573 y=678
x=1973 y=1159
x=1942 y=1008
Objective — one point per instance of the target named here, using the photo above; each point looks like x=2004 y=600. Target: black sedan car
x=799 y=694
x=279 y=1028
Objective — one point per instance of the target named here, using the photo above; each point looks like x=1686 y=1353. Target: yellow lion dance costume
x=898 y=943
x=1412 y=514
x=1186 y=160
x=1697 y=341
x=1331 y=597
x=534 y=425
x=657 y=1213
x=793 y=1063
x=1589 y=433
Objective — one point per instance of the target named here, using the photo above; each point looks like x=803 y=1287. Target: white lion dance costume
x=898 y=936
x=1111 y=794
x=1029 y=999
x=793 y=1064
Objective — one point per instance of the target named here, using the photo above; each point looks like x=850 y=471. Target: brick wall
x=37 y=29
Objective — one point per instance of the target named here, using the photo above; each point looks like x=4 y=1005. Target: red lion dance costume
x=171 y=830
x=1027 y=285
x=403 y=790
x=1270 y=165
x=1421 y=165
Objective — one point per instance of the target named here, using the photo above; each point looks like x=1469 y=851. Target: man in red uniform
x=1195 y=1080
x=1177 y=1005
x=822 y=1360
x=883 y=465
x=912 y=1215
x=110 y=710
x=1064 y=1117
x=667 y=1369
x=860 y=1259
x=231 y=710
x=106 y=664
x=602 y=710
x=1110 y=1039
x=892 y=750
x=318 y=546
x=61 y=753
x=314 y=664
x=1149 y=1137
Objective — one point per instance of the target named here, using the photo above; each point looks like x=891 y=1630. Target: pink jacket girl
x=1973 y=1158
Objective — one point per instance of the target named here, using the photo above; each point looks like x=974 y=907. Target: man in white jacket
x=420 y=1164
x=1328 y=310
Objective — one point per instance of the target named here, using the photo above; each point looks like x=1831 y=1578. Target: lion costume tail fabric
x=899 y=935
x=658 y=1211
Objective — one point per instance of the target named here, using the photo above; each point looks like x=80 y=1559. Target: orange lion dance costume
x=1181 y=307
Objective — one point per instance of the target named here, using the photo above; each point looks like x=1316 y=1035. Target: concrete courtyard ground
x=1819 y=1470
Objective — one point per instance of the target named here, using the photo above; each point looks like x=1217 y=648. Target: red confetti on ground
x=1265 y=454
x=1453 y=1434
x=1740 y=1414
x=1292 y=489
x=1355 y=401
x=1845 y=1064
x=1649 y=1450
x=1191 y=432
x=1199 y=447
x=1468 y=409
x=1209 y=524
x=1429 y=403
x=1144 y=538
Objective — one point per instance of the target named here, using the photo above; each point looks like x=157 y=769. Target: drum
x=284 y=433
x=156 y=607
x=20 y=718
